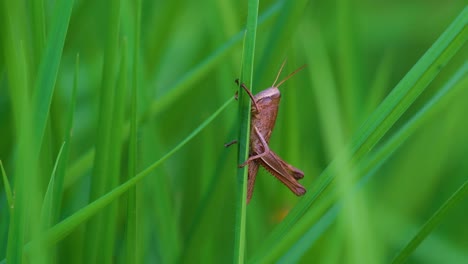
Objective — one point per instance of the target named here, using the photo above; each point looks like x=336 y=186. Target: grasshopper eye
x=265 y=100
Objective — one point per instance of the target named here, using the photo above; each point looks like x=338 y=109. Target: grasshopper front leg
x=250 y=95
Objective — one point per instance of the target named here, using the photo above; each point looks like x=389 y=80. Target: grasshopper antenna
x=290 y=75
x=279 y=72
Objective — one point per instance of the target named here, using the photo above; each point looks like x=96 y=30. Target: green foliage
x=117 y=155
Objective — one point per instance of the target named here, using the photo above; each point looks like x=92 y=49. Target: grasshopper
x=264 y=111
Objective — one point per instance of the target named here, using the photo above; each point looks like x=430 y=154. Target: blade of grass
x=97 y=234
x=176 y=91
x=60 y=174
x=244 y=128
x=47 y=209
x=10 y=200
x=18 y=83
x=133 y=246
x=6 y=184
x=117 y=127
x=48 y=69
x=47 y=205
x=402 y=96
x=65 y=227
x=431 y=224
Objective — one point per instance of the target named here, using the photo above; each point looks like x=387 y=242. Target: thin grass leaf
x=48 y=210
x=133 y=252
x=60 y=174
x=6 y=184
x=48 y=204
x=115 y=152
x=98 y=242
x=65 y=227
x=402 y=96
x=25 y=164
x=244 y=128
x=48 y=69
x=18 y=81
x=431 y=224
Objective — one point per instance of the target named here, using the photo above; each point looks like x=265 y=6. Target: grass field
x=113 y=117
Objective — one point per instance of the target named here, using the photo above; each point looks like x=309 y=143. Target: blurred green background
x=182 y=57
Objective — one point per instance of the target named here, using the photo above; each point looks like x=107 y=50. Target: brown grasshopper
x=264 y=111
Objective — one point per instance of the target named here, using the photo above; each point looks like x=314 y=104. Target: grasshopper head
x=272 y=92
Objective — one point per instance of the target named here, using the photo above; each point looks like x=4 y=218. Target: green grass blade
x=65 y=227
x=6 y=184
x=431 y=224
x=115 y=153
x=60 y=174
x=99 y=237
x=133 y=245
x=244 y=128
x=25 y=165
x=48 y=204
x=9 y=196
x=48 y=69
x=48 y=207
x=402 y=96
